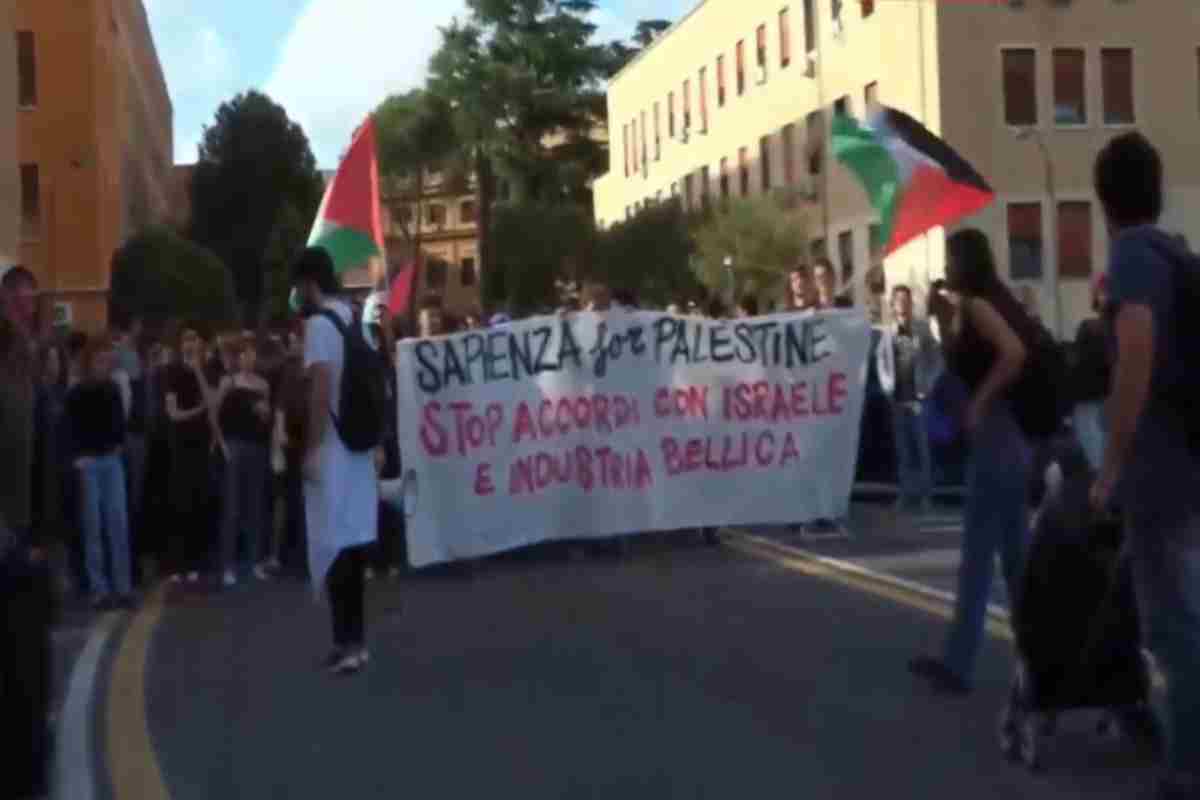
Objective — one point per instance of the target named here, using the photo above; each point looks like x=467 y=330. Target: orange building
x=94 y=144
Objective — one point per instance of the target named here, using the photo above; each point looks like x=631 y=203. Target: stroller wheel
x=1030 y=743
x=1009 y=732
x=1140 y=725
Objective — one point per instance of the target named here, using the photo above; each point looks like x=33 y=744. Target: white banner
x=591 y=425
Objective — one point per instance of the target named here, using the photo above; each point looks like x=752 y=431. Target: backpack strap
x=340 y=326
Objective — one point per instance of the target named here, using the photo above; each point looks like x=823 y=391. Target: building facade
x=10 y=196
x=737 y=99
x=94 y=144
x=446 y=217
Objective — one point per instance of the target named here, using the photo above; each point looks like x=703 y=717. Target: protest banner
x=590 y=425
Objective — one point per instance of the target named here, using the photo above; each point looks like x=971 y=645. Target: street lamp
x=729 y=280
x=1034 y=135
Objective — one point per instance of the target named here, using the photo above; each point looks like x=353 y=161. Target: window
x=1116 y=77
x=760 y=42
x=468 y=272
x=789 y=154
x=705 y=186
x=764 y=162
x=868 y=7
x=1025 y=241
x=702 y=89
x=720 y=81
x=633 y=138
x=875 y=239
x=657 y=132
x=785 y=40
x=27 y=95
x=31 y=200
x=645 y=136
x=814 y=141
x=671 y=114
x=466 y=212
x=687 y=106
x=674 y=188
x=846 y=255
x=688 y=192
x=835 y=10
x=842 y=105
x=435 y=273
x=1020 y=87
x=871 y=96
x=741 y=67
x=625 y=146
x=1075 y=239
x=436 y=214
x=724 y=177
x=743 y=173
x=810 y=32
x=403 y=215
x=1070 y=92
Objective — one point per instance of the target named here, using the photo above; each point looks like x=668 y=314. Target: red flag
x=400 y=294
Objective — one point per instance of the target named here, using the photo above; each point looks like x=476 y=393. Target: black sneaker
x=940 y=677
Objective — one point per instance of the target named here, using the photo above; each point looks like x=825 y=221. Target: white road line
x=74 y=777
x=945 y=558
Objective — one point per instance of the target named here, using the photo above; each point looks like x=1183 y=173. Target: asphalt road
x=682 y=672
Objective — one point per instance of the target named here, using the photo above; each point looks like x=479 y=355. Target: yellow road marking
x=788 y=558
x=132 y=764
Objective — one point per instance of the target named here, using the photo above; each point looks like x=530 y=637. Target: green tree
x=288 y=237
x=417 y=139
x=253 y=162
x=649 y=255
x=764 y=237
x=524 y=80
x=159 y=275
x=536 y=244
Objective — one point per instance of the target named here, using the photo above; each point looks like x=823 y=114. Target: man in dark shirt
x=1148 y=466
x=26 y=596
x=907 y=362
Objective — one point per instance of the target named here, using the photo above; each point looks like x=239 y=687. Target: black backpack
x=363 y=392
x=1041 y=396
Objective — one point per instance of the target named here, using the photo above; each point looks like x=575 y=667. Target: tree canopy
x=255 y=171
x=764 y=236
x=159 y=275
x=649 y=255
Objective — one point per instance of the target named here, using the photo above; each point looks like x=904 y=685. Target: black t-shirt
x=182 y=382
x=97 y=416
x=238 y=419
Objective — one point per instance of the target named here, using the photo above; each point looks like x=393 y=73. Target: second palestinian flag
x=915 y=181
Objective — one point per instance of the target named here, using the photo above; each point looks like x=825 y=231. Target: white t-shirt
x=342 y=504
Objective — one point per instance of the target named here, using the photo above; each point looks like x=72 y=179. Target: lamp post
x=1032 y=134
x=730 y=281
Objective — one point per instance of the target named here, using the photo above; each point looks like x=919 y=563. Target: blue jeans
x=103 y=514
x=1088 y=421
x=995 y=519
x=243 y=502
x=1166 y=573
x=914 y=467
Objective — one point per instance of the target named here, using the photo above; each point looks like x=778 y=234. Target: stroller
x=1076 y=625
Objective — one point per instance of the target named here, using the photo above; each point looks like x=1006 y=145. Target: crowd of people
x=191 y=458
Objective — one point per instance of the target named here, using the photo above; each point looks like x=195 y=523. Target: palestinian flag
x=914 y=179
x=348 y=223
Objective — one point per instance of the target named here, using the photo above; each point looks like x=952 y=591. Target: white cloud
x=343 y=57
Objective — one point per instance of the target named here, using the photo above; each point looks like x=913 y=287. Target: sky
x=327 y=62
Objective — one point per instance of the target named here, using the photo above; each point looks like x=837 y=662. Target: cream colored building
x=744 y=89
x=10 y=192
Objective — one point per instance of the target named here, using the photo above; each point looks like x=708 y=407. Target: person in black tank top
x=189 y=436
x=986 y=351
x=242 y=410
